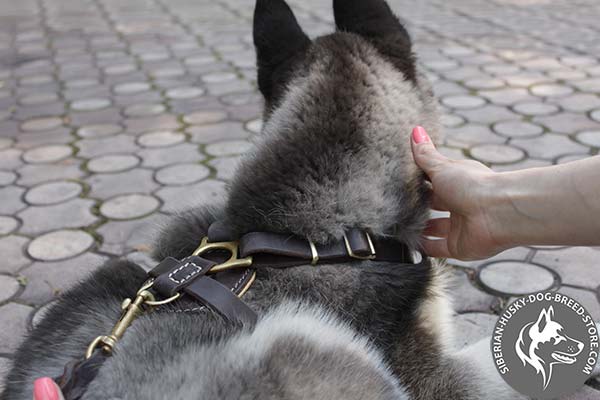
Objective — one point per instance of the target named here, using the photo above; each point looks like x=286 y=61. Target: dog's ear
x=279 y=41
x=375 y=21
x=544 y=318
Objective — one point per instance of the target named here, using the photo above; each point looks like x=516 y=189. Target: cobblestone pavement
x=113 y=114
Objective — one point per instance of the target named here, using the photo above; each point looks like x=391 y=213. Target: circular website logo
x=545 y=345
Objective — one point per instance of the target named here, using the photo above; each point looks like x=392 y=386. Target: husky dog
x=334 y=154
x=544 y=343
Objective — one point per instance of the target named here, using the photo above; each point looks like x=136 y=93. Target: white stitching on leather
x=187 y=264
x=240 y=281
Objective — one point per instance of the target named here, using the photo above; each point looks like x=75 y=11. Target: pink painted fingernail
x=45 y=389
x=419 y=135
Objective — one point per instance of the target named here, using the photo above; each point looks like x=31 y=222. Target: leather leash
x=218 y=282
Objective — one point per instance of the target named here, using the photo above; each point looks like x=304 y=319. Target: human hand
x=46 y=389
x=464 y=188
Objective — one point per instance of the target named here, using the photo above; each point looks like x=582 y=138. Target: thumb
x=424 y=152
x=46 y=389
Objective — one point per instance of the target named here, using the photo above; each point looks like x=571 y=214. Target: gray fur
x=334 y=154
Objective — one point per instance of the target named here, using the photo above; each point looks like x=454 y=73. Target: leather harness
x=218 y=282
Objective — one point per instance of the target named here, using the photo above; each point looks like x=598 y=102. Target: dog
x=334 y=154
x=543 y=344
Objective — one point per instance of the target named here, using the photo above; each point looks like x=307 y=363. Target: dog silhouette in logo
x=544 y=343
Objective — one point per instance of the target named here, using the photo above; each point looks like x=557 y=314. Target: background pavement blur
x=114 y=113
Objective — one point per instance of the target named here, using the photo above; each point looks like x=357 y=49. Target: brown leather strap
x=172 y=276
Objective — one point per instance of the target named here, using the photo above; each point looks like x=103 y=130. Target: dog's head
x=335 y=146
x=544 y=343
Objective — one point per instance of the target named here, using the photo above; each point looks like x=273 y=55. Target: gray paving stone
x=497 y=153
x=566 y=122
x=132 y=87
x=90 y=104
x=182 y=174
x=7 y=177
x=227 y=148
x=516 y=278
x=595 y=115
x=542 y=64
x=99 y=130
x=550 y=146
x=59 y=245
x=579 y=102
x=463 y=101
x=158 y=157
x=47 y=154
x=225 y=166
x=161 y=139
x=205 y=117
x=5 y=143
x=47 y=280
x=517 y=129
x=41 y=124
x=7 y=225
x=13 y=319
x=10 y=158
x=591 y=85
x=525 y=79
x=551 y=90
x=11 y=199
x=576 y=265
x=34 y=174
x=152 y=123
x=38 y=98
x=121 y=237
x=535 y=108
x=566 y=74
x=129 y=206
x=75 y=213
x=219 y=77
x=178 y=198
x=12 y=250
x=484 y=83
x=218 y=132
x=144 y=110
x=119 y=69
x=52 y=192
x=473 y=327
x=90 y=148
x=9 y=286
x=507 y=96
x=590 y=138
x=470 y=135
x=112 y=163
x=135 y=180
x=184 y=92
x=467 y=297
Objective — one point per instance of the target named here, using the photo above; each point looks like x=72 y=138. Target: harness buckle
x=354 y=255
x=231 y=247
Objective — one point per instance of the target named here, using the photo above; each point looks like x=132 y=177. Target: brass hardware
x=353 y=255
x=314 y=253
x=250 y=282
x=231 y=247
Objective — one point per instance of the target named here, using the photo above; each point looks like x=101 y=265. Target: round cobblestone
x=451 y=121
x=518 y=129
x=81 y=83
x=99 y=130
x=144 y=110
x=112 y=163
x=38 y=98
x=9 y=286
x=484 y=83
x=41 y=124
x=219 y=77
x=595 y=115
x=131 y=87
x=463 y=101
x=497 y=153
x=571 y=157
x=46 y=154
x=591 y=138
x=52 y=192
x=90 y=104
x=119 y=69
x=7 y=225
x=228 y=148
x=205 y=117
x=59 y=245
x=7 y=177
x=167 y=73
x=516 y=278
x=129 y=206
x=182 y=174
x=35 y=80
x=535 y=108
x=551 y=90
x=184 y=93
x=161 y=139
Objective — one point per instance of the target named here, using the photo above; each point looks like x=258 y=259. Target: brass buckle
x=314 y=253
x=231 y=247
x=353 y=255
